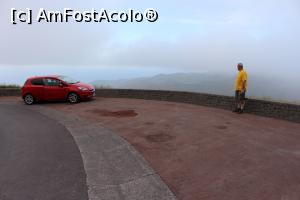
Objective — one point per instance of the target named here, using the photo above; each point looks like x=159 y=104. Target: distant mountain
x=259 y=87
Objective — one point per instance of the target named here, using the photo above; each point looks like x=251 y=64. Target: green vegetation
x=9 y=86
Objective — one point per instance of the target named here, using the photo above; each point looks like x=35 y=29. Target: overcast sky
x=189 y=36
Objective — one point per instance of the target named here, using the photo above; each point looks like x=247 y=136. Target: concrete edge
x=114 y=168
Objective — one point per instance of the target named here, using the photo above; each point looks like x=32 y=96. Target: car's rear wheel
x=73 y=97
x=28 y=99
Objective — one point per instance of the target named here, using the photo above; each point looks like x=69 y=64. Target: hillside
x=259 y=87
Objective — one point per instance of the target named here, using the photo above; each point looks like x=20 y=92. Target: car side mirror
x=61 y=85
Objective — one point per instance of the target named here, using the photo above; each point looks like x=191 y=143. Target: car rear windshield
x=68 y=79
x=37 y=81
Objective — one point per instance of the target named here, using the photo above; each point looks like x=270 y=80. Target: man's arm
x=244 y=86
x=244 y=78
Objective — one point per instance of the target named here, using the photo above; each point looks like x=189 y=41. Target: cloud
x=191 y=35
x=49 y=44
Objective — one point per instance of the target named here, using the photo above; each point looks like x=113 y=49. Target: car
x=55 y=88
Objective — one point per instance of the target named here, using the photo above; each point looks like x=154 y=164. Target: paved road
x=39 y=159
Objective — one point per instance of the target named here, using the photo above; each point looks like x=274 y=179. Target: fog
x=189 y=36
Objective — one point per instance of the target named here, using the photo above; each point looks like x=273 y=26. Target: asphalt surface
x=39 y=159
x=114 y=169
x=199 y=152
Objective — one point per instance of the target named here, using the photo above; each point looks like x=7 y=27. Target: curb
x=115 y=170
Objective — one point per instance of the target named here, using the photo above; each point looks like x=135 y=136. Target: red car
x=54 y=88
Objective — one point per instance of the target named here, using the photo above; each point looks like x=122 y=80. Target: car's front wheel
x=28 y=99
x=73 y=97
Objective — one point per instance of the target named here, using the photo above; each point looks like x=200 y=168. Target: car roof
x=49 y=76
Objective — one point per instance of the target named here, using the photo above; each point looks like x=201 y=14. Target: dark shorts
x=240 y=96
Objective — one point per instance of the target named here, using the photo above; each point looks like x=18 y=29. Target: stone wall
x=10 y=92
x=284 y=111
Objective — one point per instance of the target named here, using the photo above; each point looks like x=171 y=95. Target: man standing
x=240 y=89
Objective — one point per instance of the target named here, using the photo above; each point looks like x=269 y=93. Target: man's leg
x=237 y=101
x=242 y=102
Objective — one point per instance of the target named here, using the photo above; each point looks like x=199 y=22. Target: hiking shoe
x=241 y=111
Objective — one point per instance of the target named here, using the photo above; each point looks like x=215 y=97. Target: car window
x=68 y=79
x=51 y=82
x=37 y=81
